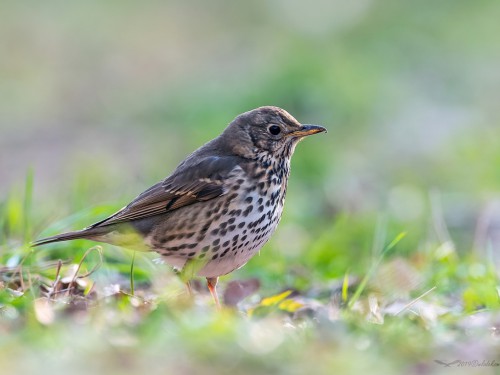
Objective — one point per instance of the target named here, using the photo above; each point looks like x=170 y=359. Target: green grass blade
x=132 y=285
x=27 y=204
x=374 y=267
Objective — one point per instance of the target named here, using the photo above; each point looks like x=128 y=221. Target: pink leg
x=212 y=283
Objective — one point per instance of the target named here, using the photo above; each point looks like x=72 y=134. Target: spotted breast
x=225 y=233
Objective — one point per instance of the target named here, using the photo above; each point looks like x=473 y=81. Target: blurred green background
x=102 y=99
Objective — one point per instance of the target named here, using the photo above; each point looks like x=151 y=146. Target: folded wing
x=201 y=182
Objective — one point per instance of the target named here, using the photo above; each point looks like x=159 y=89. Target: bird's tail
x=120 y=236
x=62 y=237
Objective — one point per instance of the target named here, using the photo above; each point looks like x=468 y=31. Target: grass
x=84 y=308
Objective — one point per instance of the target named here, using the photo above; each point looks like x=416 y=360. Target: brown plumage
x=219 y=206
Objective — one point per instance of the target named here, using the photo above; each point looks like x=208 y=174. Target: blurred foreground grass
x=361 y=297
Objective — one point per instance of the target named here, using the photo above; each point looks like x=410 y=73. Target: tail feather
x=119 y=236
x=80 y=234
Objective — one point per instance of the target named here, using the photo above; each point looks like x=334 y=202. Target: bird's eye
x=274 y=129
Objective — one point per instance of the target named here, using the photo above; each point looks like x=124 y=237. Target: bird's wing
x=200 y=182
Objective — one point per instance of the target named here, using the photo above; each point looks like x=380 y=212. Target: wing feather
x=204 y=181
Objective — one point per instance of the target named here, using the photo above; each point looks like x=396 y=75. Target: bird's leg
x=212 y=284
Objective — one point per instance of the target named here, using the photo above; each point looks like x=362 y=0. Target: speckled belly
x=221 y=235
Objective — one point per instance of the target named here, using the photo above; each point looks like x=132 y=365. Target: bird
x=218 y=207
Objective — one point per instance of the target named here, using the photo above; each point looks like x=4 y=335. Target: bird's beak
x=306 y=130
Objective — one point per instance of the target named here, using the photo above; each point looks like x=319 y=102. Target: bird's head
x=269 y=130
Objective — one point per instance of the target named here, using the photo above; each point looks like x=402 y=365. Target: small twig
x=21 y=278
x=95 y=268
x=19 y=269
x=56 y=281
x=415 y=301
x=61 y=291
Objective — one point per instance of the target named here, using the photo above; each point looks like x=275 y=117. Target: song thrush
x=219 y=206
